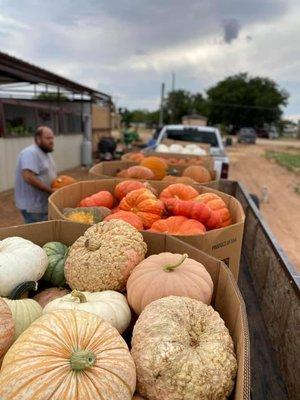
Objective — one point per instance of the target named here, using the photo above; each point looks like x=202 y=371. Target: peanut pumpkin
x=178 y=226
x=157 y=164
x=68 y=354
x=216 y=203
x=167 y=274
x=102 y=198
x=144 y=204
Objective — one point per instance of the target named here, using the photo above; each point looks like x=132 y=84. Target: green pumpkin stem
x=82 y=359
x=79 y=295
x=171 y=267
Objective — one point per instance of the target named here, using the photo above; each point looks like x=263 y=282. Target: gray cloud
x=231 y=30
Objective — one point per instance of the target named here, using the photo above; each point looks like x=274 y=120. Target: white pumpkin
x=191 y=146
x=199 y=151
x=110 y=305
x=20 y=261
x=175 y=148
x=162 y=148
x=24 y=312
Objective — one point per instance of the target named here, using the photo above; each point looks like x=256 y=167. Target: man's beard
x=45 y=149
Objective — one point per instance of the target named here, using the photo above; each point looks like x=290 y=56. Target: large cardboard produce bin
x=224 y=243
x=227 y=300
x=109 y=169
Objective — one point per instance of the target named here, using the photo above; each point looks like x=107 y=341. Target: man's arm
x=31 y=179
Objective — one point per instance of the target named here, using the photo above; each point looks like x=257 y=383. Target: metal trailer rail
x=270 y=287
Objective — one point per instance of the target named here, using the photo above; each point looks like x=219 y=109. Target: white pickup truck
x=197 y=134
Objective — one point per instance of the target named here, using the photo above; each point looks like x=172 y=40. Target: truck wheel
x=255 y=199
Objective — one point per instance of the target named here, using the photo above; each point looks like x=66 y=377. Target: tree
x=126 y=116
x=178 y=103
x=50 y=96
x=241 y=100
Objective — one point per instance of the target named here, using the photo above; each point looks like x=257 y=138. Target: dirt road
x=282 y=211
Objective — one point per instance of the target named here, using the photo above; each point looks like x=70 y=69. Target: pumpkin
x=125 y=187
x=178 y=226
x=179 y=179
x=24 y=311
x=183 y=350
x=109 y=305
x=144 y=204
x=47 y=295
x=68 y=354
x=140 y=172
x=216 y=203
x=135 y=157
x=6 y=327
x=157 y=165
x=122 y=173
x=197 y=172
x=104 y=256
x=57 y=253
x=178 y=191
x=167 y=274
x=20 y=261
x=127 y=216
x=102 y=199
x=86 y=215
x=61 y=181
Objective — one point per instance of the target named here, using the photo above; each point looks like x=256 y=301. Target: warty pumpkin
x=68 y=354
x=167 y=274
x=86 y=215
x=179 y=191
x=109 y=305
x=216 y=203
x=139 y=172
x=144 y=204
x=47 y=295
x=157 y=164
x=102 y=199
x=178 y=226
x=183 y=350
x=127 y=216
x=57 y=253
x=61 y=181
x=6 y=328
x=103 y=257
x=197 y=172
x=21 y=261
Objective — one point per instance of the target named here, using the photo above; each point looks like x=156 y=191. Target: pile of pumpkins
x=66 y=342
x=190 y=148
x=178 y=210
x=157 y=168
x=171 y=161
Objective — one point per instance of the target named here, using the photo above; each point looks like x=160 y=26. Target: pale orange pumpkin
x=144 y=204
x=157 y=164
x=179 y=179
x=68 y=354
x=140 y=172
x=6 y=327
x=216 y=203
x=167 y=274
x=61 y=181
x=197 y=172
x=47 y=295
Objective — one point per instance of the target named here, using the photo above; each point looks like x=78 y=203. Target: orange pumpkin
x=140 y=172
x=179 y=179
x=100 y=199
x=178 y=226
x=6 y=327
x=178 y=191
x=216 y=203
x=168 y=274
x=197 y=172
x=144 y=204
x=68 y=354
x=122 y=174
x=157 y=164
x=135 y=157
x=127 y=216
x=125 y=187
x=61 y=181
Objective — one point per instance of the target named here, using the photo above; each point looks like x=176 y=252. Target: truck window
x=193 y=135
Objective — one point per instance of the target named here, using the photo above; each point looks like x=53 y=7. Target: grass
x=291 y=161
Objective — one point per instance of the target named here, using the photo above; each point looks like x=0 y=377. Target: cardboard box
x=224 y=243
x=109 y=169
x=227 y=300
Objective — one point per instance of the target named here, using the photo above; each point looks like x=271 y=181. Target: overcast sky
x=126 y=48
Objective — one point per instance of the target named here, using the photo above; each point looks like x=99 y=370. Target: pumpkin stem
x=82 y=359
x=171 y=267
x=78 y=296
x=22 y=288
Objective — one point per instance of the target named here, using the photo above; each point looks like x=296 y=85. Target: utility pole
x=173 y=81
x=161 y=113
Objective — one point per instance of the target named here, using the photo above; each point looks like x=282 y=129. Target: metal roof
x=13 y=70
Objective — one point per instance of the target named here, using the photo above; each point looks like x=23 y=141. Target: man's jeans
x=29 y=218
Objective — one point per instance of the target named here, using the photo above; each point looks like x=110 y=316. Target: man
x=34 y=174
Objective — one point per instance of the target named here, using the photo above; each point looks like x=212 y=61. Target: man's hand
x=32 y=180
